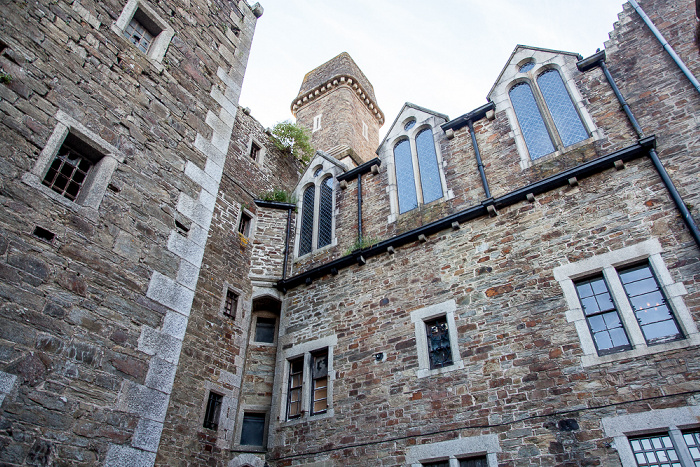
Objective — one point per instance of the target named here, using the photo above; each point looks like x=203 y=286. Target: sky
x=443 y=55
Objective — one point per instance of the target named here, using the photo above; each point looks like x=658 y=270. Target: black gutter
x=629 y=153
x=289 y=207
x=474 y=115
x=359 y=207
x=599 y=60
x=360 y=169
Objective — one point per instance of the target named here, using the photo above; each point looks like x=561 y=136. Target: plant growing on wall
x=292 y=138
x=281 y=196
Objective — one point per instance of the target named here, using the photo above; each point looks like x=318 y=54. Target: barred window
x=68 y=172
x=139 y=35
x=213 y=411
x=439 y=349
x=231 y=303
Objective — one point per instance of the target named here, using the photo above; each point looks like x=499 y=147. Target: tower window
x=254 y=151
x=230 y=303
x=317 y=123
x=213 y=411
x=365 y=131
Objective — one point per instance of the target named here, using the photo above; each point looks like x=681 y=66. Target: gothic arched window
x=307 y=220
x=405 y=180
x=325 y=213
x=419 y=153
x=316 y=217
x=428 y=165
x=554 y=123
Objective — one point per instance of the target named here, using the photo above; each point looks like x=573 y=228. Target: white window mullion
x=416 y=170
x=625 y=311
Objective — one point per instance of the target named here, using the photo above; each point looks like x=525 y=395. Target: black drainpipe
x=598 y=59
x=479 y=164
x=359 y=207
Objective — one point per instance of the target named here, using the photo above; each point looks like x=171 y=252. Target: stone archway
x=247 y=460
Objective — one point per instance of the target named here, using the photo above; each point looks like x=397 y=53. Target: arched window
x=316 y=223
x=307 y=220
x=407 y=157
x=554 y=123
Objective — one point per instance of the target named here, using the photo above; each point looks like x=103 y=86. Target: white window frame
x=159 y=46
x=317 y=123
x=671 y=421
x=608 y=263
x=251 y=408
x=254 y=324
x=306 y=350
x=419 y=317
x=511 y=75
x=455 y=450
x=99 y=176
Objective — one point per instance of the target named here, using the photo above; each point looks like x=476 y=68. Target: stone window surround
x=511 y=76
x=670 y=421
x=317 y=123
x=365 y=131
x=455 y=450
x=649 y=250
x=410 y=135
x=254 y=323
x=419 y=317
x=160 y=43
x=306 y=349
x=251 y=227
x=93 y=190
x=261 y=153
x=307 y=180
x=251 y=408
x=240 y=309
x=226 y=416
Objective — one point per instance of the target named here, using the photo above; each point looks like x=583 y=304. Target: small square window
x=230 y=303
x=244 y=225
x=253 y=429
x=138 y=33
x=265 y=330
x=213 y=411
x=69 y=169
x=254 y=151
x=439 y=349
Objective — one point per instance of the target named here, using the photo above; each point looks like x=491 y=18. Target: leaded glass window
x=654 y=451
x=409 y=124
x=531 y=122
x=428 y=166
x=405 y=181
x=526 y=67
x=294 y=388
x=307 y=220
x=649 y=304
x=439 y=348
x=566 y=118
x=325 y=213
x=253 y=429
x=601 y=314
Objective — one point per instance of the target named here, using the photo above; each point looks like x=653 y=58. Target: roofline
x=414 y=106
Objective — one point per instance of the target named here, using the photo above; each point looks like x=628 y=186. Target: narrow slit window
x=439 y=347
x=213 y=411
x=319 y=389
x=244 y=225
x=294 y=388
x=254 y=151
x=405 y=179
x=307 y=221
x=230 y=304
x=325 y=213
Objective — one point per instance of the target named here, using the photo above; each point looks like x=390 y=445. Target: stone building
x=519 y=285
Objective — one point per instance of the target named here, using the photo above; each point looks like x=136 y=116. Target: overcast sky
x=440 y=54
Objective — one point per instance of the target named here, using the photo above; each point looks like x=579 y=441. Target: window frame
x=317 y=183
x=242 y=214
x=95 y=185
x=306 y=351
x=456 y=450
x=161 y=41
x=419 y=318
x=254 y=326
x=226 y=421
x=240 y=310
x=208 y=415
x=260 y=156
x=608 y=264
x=672 y=421
x=316 y=123
x=239 y=433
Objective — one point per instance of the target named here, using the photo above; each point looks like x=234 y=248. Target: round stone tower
x=336 y=103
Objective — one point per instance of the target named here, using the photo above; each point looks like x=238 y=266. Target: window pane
x=405 y=182
x=475 y=462
x=265 y=330
x=428 y=165
x=603 y=320
x=651 y=451
x=439 y=349
x=296 y=372
x=319 y=375
x=325 y=213
x=566 y=119
x=649 y=304
x=213 y=411
x=531 y=123
x=307 y=220
x=253 y=429
x=692 y=439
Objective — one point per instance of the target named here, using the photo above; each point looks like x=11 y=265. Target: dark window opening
x=211 y=416
x=43 y=234
x=265 y=330
x=244 y=225
x=230 y=304
x=69 y=170
x=474 y=462
x=319 y=389
x=253 y=429
x=439 y=349
x=296 y=376
x=254 y=151
x=437 y=464
x=141 y=31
